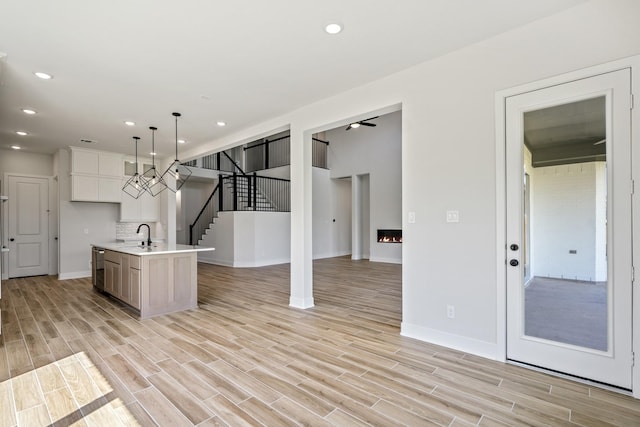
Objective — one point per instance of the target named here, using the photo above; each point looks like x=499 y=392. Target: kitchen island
x=153 y=280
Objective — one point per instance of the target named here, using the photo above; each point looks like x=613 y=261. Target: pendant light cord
x=136 y=138
x=153 y=149
x=176 y=115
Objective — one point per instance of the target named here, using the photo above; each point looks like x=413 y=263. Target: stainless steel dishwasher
x=97 y=268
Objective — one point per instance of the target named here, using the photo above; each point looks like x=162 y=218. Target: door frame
x=52 y=223
x=501 y=253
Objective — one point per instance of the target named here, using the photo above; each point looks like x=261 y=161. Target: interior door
x=568 y=249
x=28 y=226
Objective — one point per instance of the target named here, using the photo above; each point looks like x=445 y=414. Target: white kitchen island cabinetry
x=122 y=277
x=153 y=280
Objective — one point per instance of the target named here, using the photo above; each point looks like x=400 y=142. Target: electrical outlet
x=453 y=216
x=86 y=231
x=451 y=311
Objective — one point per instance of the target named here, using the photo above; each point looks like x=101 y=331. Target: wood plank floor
x=71 y=356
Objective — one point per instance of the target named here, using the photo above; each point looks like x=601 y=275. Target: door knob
x=11 y=239
x=514 y=247
x=514 y=263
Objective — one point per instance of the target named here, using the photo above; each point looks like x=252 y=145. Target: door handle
x=514 y=247
x=11 y=239
x=514 y=263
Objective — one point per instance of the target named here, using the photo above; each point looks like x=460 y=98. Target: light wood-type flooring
x=71 y=356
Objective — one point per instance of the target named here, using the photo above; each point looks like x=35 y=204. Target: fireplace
x=389 y=236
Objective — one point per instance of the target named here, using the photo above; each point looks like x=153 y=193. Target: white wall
x=341 y=207
x=248 y=239
x=331 y=215
x=23 y=162
x=448 y=162
x=279 y=172
x=377 y=153
x=567 y=215
x=221 y=237
x=189 y=201
x=97 y=219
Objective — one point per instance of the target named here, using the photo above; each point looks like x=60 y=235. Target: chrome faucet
x=148 y=233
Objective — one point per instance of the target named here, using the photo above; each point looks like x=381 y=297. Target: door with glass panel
x=568 y=249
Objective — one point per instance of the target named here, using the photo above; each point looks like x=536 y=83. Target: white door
x=28 y=226
x=568 y=249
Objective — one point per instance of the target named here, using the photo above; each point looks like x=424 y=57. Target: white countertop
x=154 y=249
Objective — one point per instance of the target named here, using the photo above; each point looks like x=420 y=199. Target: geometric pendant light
x=154 y=184
x=177 y=171
x=135 y=185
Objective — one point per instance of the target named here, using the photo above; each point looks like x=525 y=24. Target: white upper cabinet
x=96 y=176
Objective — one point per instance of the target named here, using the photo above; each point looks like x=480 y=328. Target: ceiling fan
x=356 y=125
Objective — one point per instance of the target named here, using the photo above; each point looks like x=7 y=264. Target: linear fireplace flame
x=389 y=236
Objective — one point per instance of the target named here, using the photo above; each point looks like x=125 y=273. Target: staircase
x=240 y=193
x=243 y=196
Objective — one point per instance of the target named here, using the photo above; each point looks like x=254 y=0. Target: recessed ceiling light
x=221 y=123
x=43 y=76
x=333 y=28
x=28 y=111
x=22 y=133
x=181 y=141
x=129 y=123
x=15 y=147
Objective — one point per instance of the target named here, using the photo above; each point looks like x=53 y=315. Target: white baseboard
x=387 y=260
x=332 y=255
x=301 y=302
x=249 y=264
x=215 y=262
x=456 y=342
x=242 y=264
x=74 y=275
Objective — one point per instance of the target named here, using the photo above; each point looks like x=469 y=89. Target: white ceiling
x=240 y=61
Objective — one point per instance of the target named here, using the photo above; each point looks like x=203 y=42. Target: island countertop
x=154 y=249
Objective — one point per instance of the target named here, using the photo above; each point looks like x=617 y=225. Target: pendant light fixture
x=135 y=185
x=179 y=172
x=154 y=184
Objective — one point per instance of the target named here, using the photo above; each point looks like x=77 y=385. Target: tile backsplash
x=127 y=231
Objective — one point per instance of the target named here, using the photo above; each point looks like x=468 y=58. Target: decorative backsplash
x=127 y=231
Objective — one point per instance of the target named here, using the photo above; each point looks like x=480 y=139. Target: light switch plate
x=412 y=217
x=453 y=216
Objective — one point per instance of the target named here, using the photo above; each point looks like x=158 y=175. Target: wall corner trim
x=303 y=303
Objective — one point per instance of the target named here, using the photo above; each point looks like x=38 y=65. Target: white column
x=171 y=217
x=301 y=221
x=169 y=203
x=356 y=217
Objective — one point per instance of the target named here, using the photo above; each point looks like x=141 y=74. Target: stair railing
x=209 y=211
x=233 y=162
x=242 y=193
